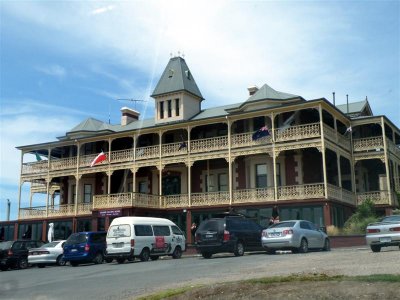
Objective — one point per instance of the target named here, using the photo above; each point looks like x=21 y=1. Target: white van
x=143 y=237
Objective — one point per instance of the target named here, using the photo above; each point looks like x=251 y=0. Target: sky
x=62 y=62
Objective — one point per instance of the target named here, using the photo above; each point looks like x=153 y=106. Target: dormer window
x=188 y=75
x=170 y=73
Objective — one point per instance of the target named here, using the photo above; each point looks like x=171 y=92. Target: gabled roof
x=360 y=108
x=89 y=127
x=267 y=92
x=91 y=124
x=176 y=77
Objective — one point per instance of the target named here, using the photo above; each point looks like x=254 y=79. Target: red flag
x=99 y=158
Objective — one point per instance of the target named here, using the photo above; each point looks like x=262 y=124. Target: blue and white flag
x=260 y=133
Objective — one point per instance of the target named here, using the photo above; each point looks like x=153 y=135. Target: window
x=123 y=230
x=305 y=225
x=87 y=193
x=209 y=183
x=160 y=230
x=222 y=182
x=177 y=107
x=176 y=230
x=169 y=103
x=143 y=230
x=261 y=176
x=161 y=109
x=143 y=187
x=73 y=187
x=130 y=187
x=278 y=174
x=88 y=148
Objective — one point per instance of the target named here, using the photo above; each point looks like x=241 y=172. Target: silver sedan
x=50 y=253
x=295 y=235
x=384 y=233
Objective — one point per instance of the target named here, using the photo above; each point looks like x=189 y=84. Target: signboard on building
x=110 y=213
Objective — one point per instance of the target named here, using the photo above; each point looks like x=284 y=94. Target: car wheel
x=3 y=268
x=120 y=260
x=271 y=251
x=376 y=248
x=41 y=265
x=206 y=254
x=98 y=259
x=108 y=260
x=74 y=263
x=327 y=245
x=60 y=261
x=303 y=246
x=22 y=263
x=177 y=253
x=154 y=257
x=239 y=249
x=145 y=255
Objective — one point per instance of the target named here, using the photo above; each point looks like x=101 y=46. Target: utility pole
x=8 y=209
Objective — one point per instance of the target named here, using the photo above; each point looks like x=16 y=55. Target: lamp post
x=8 y=209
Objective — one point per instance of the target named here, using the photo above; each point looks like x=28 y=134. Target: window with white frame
x=87 y=193
x=222 y=182
x=261 y=176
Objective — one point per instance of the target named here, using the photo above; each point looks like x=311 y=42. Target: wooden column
x=321 y=122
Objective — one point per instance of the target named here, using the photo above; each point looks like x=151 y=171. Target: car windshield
x=283 y=224
x=395 y=218
x=76 y=238
x=5 y=245
x=50 y=245
x=211 y=225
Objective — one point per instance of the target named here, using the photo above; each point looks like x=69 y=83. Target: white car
x=50 y=253
x=295 y=235
x=384 y=233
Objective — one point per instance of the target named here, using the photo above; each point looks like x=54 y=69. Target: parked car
x=231 y=233
x=85 y=247
x=144 y=237
x=47 y=254
x=384 y=233
x=14 y=254
x=295 y=235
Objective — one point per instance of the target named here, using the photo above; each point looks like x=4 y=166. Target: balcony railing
x=298 y=132
x=293 y=133
x=378 y=197
x=125 y=200
x=60 y=210
x=305 y=191
x=366 y=144
x=343 y=195
x=242 y=196
x=254 y=195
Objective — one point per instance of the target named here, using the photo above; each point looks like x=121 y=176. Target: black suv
x=234 y=234
x=14 y=254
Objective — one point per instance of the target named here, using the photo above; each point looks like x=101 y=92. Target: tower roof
x=176 y=77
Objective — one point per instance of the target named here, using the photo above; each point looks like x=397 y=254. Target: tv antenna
x=132 y=100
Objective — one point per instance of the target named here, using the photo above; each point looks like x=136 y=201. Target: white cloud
x=102 y=10
x=52 y=70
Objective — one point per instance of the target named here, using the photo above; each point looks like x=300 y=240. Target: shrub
x=333 y=230
x=365 y=214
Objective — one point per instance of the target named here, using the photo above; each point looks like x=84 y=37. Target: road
x=130 y=280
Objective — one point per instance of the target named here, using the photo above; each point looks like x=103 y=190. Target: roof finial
x=183 y=55
x=170 y=55
x=179 y=53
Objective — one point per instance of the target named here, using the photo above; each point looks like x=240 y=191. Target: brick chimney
x=128 y=115
x=252 y=90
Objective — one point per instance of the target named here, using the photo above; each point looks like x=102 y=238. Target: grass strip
x=283 y=279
